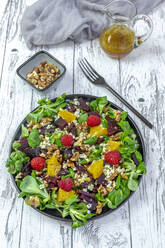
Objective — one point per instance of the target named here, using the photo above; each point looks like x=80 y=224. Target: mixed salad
x=76 y=157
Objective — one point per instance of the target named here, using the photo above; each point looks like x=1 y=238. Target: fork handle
x=141 y=117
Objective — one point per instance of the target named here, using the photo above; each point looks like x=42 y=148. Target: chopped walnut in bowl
x=43 y=75
x=41 y=70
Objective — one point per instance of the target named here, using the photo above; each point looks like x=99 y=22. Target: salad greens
x=95 y=153
x=34 y=138
x=47 y=108
x=77 y=180
x=83 y=117
x=98 y=104
x=30 y=186
x=91 y=140
x=16 y=161
x=25 y=132
x=73 y=207
x=55 y=138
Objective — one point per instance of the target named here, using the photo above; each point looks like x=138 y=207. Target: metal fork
x=96 y=79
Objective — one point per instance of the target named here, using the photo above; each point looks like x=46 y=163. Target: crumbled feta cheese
x=83 y=155
x=64 y=165
x=77 y=112
x=76 y=102
x=49 y=126
x=42 y=186
x=89 y=205
x=108 y=170
x=90 y=186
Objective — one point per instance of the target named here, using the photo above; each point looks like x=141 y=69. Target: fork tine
x=85 y=72
x=91 y=68
x=89 y=71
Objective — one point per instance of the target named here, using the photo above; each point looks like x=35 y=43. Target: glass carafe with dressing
x=120 y=38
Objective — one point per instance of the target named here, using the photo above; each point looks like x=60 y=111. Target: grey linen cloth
x=49 y=22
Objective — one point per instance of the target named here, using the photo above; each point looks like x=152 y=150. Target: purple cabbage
x=44 y=130
x=83 y=105
x=80 y=168
x=96 y=113
x=27 y=169
x=61 y=123
x=71 y=107
x=68 y=154
x=88 y=199
x=101 y=180
x=99 y=140
x=30 y=152
x=135 y=159
x=72 y=128
x=113 y=127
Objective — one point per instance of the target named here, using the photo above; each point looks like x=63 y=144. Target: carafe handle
x=139 y=39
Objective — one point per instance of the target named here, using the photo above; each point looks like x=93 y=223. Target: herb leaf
x=91 y=140
x=25 y=132
x=47 y=108
x=83 y=117
x=98 y=104
x=132 y=184
x=29 y=185
x=34 y=138
x=16 y=161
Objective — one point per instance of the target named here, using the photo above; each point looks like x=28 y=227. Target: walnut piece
x=75 y=157
x=45 y=121
x=82 y=127
x=118 y=114
x=116 y=136
x=124 y=176
x=43 y=75
x=99 y=208
x=102 y=190
x=113 y=176
x=58 y=155
x=34 y=201
x=108 y=189
x=52 y=148
x=70 y=164
x=43 y=155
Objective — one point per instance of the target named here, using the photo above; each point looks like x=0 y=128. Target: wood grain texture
x=142 y=78
x=139 y=77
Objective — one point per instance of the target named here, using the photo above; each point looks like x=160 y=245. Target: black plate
x=54 y=213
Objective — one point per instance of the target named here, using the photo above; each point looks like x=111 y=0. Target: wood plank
x=17 y=98
x=112 y=230
x=142 y=81
x=4 y=21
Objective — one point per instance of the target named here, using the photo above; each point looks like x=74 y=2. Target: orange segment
x=98 y=131
x=112 y=145
x=53 y=166
x=66 y=115
x=96 y=168
x=63 y=195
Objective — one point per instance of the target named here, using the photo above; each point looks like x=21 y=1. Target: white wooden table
x=139 y=77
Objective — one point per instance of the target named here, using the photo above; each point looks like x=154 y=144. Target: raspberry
x=93 y=120
x=67 y=140
x=112 y=157
x=66 y=184
x=37 y=163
